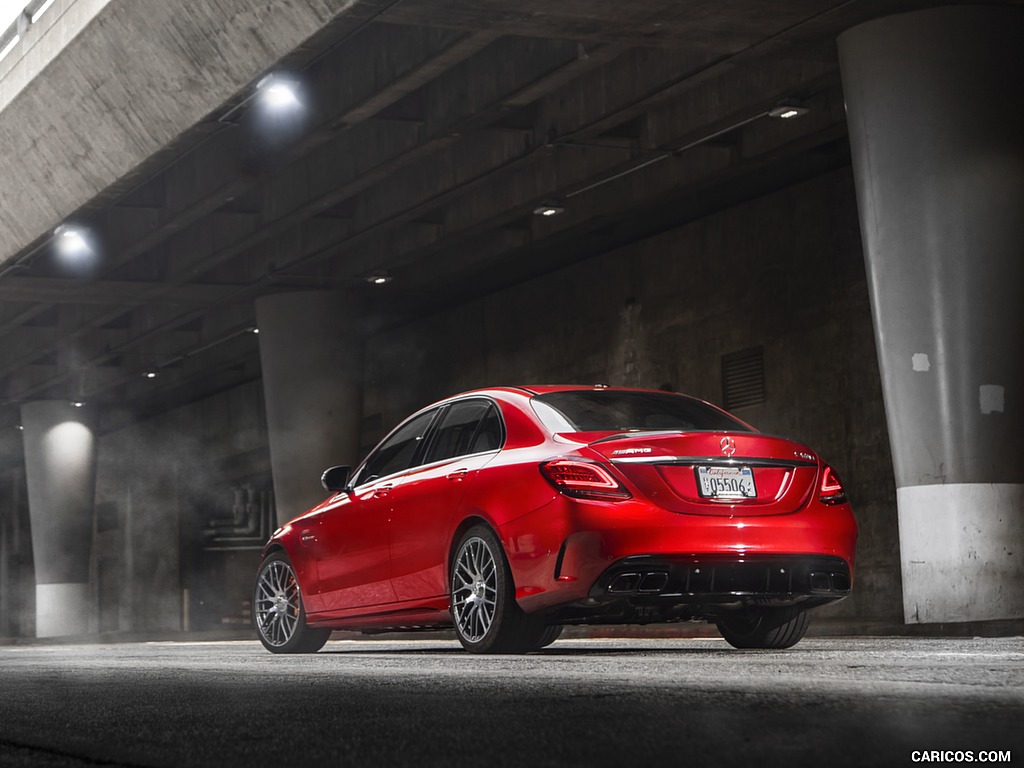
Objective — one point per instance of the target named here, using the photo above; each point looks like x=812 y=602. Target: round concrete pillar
x=60 y=469
x=311 y=355
x=936 y=120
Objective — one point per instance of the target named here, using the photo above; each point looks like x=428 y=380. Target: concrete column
x=60 y=469
x=311 y=355
x=936 y=119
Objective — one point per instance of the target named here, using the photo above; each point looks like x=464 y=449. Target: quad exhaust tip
x=824 y=581
x=647 y=583
x=655 y=582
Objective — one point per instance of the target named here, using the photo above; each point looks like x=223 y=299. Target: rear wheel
x=487 y=617
x=764 y=627
x=548 y=636
x=277 y=610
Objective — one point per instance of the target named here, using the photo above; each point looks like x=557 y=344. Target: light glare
x=278 y=92
x=548 y=210
x=10 y=46
x=73 y=246
x=41 y=10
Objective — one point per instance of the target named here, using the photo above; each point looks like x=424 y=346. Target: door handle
x=384 y=490
x=458 y=474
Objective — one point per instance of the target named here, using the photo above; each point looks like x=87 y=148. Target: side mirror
x=336 y=478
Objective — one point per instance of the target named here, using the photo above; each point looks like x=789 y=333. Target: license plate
x=726 y=482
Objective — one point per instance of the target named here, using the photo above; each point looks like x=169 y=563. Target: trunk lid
x=714 y=473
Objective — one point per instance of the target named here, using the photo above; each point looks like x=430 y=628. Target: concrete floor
x=585 y=702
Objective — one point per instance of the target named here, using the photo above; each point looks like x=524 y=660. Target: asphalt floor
x=829 y=701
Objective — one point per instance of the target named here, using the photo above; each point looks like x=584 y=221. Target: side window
x=471 y=426
x=398 y=451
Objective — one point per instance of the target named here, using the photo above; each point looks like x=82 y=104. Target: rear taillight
x=583 y=480
x=831 y=490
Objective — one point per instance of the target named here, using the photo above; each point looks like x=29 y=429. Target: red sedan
x=509 y=513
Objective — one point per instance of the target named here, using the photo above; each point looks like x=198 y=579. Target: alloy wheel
x=474 y=589
x=277 y=602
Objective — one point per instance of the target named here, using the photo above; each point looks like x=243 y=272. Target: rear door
x=468 y=435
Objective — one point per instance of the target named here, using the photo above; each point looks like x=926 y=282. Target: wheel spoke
x=277 y=603
x=474 y=589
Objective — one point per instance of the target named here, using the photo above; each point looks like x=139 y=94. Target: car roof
x=530 y=390
x=542 y=389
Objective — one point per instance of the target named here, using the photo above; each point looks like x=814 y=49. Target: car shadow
x=566 y=651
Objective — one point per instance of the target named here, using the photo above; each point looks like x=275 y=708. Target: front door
x=350 y=540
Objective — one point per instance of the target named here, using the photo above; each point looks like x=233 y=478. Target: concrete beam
x=103 y=106
x=123 y=293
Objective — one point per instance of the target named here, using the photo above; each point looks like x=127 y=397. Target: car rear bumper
x=724 y=579
x=636 y=553
x=654 y=588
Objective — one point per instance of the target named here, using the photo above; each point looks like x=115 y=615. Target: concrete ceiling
x=435 y=128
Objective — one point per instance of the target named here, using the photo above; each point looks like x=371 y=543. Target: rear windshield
x=610 y=411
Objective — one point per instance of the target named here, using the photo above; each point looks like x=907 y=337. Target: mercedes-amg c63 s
x=508 y=513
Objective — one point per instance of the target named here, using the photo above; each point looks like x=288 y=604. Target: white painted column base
x=62 y=609
x=962 y=552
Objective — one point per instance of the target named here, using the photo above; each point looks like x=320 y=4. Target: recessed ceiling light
x=379 y=278
x=73 y=246
x=788 y=109
x=279 y=91
x=150 y=374
x=548 y=209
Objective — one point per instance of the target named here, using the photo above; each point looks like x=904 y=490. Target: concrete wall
x=17 y=574
x=159 y=484
x=784 y=272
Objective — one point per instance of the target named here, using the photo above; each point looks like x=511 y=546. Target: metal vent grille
x=743 y=378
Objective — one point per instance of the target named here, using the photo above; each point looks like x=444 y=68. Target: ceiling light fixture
x=150 y=374
x=279 y=91
x=73 y=245
x=548 y=209
x=787 y=109
x=379 y=278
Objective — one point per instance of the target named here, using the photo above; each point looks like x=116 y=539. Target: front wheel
x=487 y=617
x=764 y=627
x=277 y=610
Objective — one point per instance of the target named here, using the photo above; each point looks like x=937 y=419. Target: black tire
x=548 y=636
x=486 y=615
x=765 y=627
x=277 y=610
